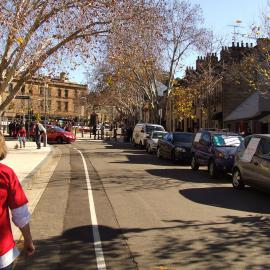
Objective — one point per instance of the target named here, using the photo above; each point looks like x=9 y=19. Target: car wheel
x=194 y=164
x=59 y=140
x=158 y=153
x=237 y=180
x=212 y=169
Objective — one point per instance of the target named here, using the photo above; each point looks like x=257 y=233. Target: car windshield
x=158 y=135
x=222 y=140
x=184 y=137
x=149 y=129
x=58 y=129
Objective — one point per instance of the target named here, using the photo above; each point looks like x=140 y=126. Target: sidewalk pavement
x=34 y=168
x=25 y=161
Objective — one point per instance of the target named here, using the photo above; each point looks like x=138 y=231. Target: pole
x=45 y=114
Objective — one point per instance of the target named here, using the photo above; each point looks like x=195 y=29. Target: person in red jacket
x=22 y=135
x=12 y=198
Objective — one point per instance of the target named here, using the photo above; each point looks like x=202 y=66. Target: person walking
x=37 y=135
x=94 y=131
x=12 y=199
x=22 y=136
x=102 y=130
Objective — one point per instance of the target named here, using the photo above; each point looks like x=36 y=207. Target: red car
x=59 y=135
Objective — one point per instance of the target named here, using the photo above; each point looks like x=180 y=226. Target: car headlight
x=180 y=149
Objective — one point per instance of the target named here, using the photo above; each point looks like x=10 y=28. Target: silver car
x=252 y=163
x=151 y=143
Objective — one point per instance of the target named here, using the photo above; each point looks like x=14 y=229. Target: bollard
x=45 y=140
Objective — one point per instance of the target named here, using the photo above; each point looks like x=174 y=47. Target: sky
x=218 y=14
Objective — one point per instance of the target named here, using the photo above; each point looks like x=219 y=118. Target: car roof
x=179 y=132
x=261 y=135
x=219 y=132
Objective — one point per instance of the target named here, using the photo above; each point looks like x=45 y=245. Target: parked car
x=175 y=146
x=215 y=149
x=142 y=131
x=59 y=135
x=152 y=141
x=252 y=163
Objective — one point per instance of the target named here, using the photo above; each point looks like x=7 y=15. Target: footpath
x=33 y=167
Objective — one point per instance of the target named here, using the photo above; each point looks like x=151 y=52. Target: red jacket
x=22 y=132
x=11 y=196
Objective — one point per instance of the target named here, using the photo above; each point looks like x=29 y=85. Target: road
x=151 y=214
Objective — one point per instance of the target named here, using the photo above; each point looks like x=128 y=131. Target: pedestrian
x=94 y=131
x=115 y=132
x=37 y=135
x=13 y=199
x=102 y=130
x=22 y=136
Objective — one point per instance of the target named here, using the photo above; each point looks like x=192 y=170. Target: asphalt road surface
x=125 y=209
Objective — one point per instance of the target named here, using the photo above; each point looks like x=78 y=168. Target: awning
x=254 y=107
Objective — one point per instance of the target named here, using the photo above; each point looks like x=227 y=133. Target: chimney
x=242 y=44
x=247 y=45
x=237 y=44
x=251 y=45
x=233 y=45
x=63 y=76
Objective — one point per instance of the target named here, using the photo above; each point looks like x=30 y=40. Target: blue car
x=215 y=149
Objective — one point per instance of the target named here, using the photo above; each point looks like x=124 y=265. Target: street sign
x=22 y=97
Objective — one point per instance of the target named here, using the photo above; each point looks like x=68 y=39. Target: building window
x=49 y=105
x=59 y=92
x=10 y=87
x=49 y=93
x=23 y=90
x=66 y=106
x=41 y=90
x=66 y=93
x=41 y=105
x=59 y=106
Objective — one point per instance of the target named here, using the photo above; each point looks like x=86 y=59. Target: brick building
x=55 y=98
x=218 y=104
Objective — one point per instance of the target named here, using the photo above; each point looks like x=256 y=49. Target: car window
x=206 y=137
x=149 y=128
x=166 y=137
x=58 y=129
x=170 y=137
x=183 y=137
x=223 y=140
x=158 y=135
x=264 y=148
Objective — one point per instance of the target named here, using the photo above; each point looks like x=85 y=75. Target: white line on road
x=97 y=242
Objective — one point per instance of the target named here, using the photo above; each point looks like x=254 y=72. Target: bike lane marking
x=97 y=242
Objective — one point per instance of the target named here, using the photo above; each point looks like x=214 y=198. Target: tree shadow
x=227 y=197
x=233 y=243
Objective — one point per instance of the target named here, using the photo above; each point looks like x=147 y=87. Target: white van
x=142 y=131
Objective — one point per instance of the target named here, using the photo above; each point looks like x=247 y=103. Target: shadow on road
x=249 y=200
x=187 y=175
x=216 y=245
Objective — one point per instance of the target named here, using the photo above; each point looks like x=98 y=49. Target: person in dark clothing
x=94 y=131
x=37 y=135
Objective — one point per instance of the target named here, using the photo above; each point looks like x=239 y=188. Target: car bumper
x=224 y=165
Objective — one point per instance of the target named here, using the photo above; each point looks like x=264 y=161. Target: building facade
x=51 y=98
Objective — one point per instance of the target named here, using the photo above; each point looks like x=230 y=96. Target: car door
x=204 y=148
x=162 y=145
x=261 y=164
x=165 y=145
